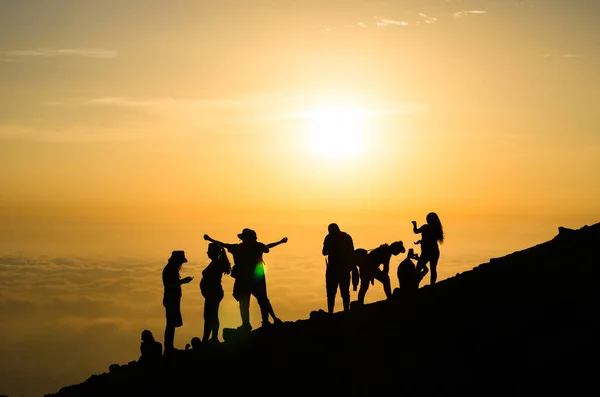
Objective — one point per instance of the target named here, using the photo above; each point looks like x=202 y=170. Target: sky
x=130 y=129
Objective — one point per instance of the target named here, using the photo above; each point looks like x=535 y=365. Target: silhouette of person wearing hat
x=339 y=248
x=172 y=296
x=249 y=274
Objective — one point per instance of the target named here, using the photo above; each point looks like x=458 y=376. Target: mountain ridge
x=523 y=323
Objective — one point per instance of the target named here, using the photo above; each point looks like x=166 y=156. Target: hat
x=247 y=234
x=178 y=256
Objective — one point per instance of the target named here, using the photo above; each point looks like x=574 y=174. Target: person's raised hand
x=414 y=223
x=206 y=237
x=284 y=240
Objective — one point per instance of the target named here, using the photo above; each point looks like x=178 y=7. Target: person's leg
x=272 y=312
x=215 y=323
x=169 y=338
x=263 y=303
x=385 y=280
x=433 y=264
x=364 y=287
x=245 y=311
x=344 y=282
x=331 y=286
x=208 y=319
x=422 y=262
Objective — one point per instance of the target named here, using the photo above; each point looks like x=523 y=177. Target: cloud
x=428 y=19
x=389 y=22
x=362 y=24
x=464 y=13
x=53 y=53
x=551 y=57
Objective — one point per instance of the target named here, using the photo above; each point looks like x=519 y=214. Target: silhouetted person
x=369 y=268
x=172 y=296
x=249 y=274
x=195 y=344
x=150 y=349
x=431 y=233
x=408 y=275
x=339 y=248
x=212 y=290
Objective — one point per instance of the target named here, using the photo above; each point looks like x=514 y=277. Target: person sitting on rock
x=369 y=267
x=409 y=276
x=150 y=348
x=195 y=344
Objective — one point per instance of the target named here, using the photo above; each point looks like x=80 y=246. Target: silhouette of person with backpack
x=431 y=233
x=212 y=290
x=249 y=274
x=339 y=248
x=369 y=268
x=172 y=296
x=408 y=275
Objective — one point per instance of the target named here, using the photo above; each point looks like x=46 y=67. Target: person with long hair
x=172 y=296
x=431 y=233
x=212 y=290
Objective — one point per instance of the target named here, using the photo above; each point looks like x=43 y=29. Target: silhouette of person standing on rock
x=249 y=274
x=369 y=268
x=172 y=296
x=339 y=248
x=212 y=290
x=431 y=233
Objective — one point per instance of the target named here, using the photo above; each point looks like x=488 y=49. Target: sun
x=337 y=132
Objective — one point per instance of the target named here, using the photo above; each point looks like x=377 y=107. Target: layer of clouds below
x=67 y=318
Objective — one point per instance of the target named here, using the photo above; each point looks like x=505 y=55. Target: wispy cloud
x=362 y=24
x=389 y=22
x=464 y=13
x=53 y=53
x=428 y=19
x=551 y=57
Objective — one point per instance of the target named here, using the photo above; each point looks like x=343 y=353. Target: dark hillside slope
x=526 y=323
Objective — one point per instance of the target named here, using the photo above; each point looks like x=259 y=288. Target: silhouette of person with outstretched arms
x=249 y=274
x=212 y=290
x=431 y=233
x=172 y=296
x=369 y=268
x=339 y=248
x=150 y=349
x=408 y=275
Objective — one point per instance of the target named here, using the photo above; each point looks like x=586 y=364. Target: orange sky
x=130 y=129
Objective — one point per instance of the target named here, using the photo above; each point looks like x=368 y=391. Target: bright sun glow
x=337 y=131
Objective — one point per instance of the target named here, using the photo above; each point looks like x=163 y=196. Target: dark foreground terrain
x=524 y=324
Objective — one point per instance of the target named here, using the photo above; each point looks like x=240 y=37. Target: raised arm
x=225 y=245
x=415 y=229
x=283 y=240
